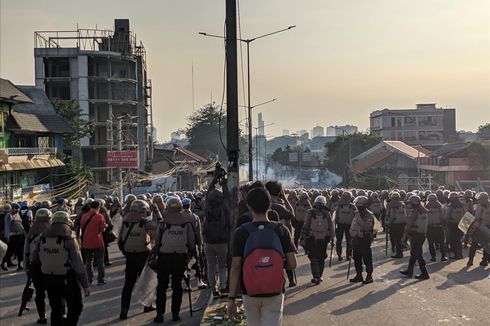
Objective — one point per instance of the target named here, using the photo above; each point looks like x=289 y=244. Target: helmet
x=453 y=196
x=157 y=199
x=60 y=201
x=139 y=206
x=432 y=197
x=303 y=195
x=7 y=208
x=24 y=204
x=174 y=204
x=361 y=193
x=46 y=204
x=414 y=200
x=142 y=197
x=427 y=193
x=129 y=198
x=43 y=214
x=15 y=206
x=101 y=201
x=361 y=201
x=61 y=217
x=186 y=202
x=395 y=195
x=482 y=196
x=321 y=200
x=89 y=201
x=468 y=193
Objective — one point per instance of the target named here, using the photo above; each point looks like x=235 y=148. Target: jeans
x=96 y=254
x=262 y=311
x=216 y=255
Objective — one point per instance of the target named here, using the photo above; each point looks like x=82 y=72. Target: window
x=410 y=136
x=43 y=141
x=393 y=122
x=410 y=121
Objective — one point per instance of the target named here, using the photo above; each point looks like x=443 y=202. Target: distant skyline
x=344 y=60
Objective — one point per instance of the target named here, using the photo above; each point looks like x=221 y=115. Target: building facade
x=317 y=131
x=341 y=130
x=426 y=125
x=106 y=72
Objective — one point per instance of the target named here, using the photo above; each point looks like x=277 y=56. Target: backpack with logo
x=300 y=212
x=320 y=226
x=174 y=239
x=263 y=260
x=53 y=256
x=135 y=238
x=214 y=226
x=345 y=214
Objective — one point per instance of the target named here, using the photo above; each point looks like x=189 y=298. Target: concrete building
x=285 y=132
x=106 y=72
x=317 y=131
x=426 y=125
x=261 y=124
x=341 y=130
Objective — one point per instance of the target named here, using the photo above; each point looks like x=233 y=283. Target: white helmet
x=321 y=200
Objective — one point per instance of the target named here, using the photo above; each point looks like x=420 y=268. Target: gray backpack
x=53 y=256
x=320 y=226
x=135 y=238
x=175 y=238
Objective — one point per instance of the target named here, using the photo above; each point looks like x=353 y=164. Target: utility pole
x=232 y=108
x=119 y=170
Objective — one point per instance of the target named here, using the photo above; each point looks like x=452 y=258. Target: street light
x=248 y=41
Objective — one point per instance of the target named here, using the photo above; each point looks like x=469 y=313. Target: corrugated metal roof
x=10 y=93
x=405 y=149
x=369 y=161
x=40 y=101
x=38 y=162
x=49 y=123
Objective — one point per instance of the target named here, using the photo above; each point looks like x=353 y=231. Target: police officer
x=362 y=231
x=396 y=220
x=134 y=241
x=343 y=220
x=435 y=230
x=127 y=203
x=301 y=207
x=454 y=213
x=63 y=270
x=416 y=229
x=41 y=223
x=482 y=214
x=174 y=241
x=316 y=234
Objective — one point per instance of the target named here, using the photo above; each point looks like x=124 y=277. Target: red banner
x=122 y=159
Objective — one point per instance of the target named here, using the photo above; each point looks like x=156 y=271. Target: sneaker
x=148 y=308
x=124 y=314
x=158 y=319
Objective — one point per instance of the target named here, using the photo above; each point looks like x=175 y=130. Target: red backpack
x=263 y=263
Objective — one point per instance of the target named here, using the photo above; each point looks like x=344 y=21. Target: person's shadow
x=463 y=276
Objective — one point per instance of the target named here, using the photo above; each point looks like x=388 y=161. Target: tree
x=339 y=151
x=484 y=131
x=74 y=116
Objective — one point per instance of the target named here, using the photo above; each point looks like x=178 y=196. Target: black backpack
x=215 y=228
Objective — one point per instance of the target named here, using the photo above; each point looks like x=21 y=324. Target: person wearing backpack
x=33 y=270
x=134 y=241
x=174 y=243
x=92 y=225
x=301 y=207
x=63 y=271
x=317 y=233
x=261 y=251
x=344 y=214
x=216 y=226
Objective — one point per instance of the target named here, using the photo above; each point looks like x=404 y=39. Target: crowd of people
x=58 y=245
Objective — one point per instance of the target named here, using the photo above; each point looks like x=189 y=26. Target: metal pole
x=250 y=158
x=119 y=170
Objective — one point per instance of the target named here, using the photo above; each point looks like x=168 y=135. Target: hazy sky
x=345 y=59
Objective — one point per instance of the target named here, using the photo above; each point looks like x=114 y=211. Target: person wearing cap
x=361 y=232
x=33 y=269
x=416 y=230
x=317 y=233
x=61 y=206
x=15 y=236
x=174 y=241
x=134 y=240
x=196 y=224
x=63 y=271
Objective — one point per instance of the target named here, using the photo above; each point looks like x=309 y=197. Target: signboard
x=122 y=159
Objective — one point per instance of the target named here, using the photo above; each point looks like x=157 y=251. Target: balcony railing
x=24 y=151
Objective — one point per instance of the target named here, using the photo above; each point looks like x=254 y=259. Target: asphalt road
x=455 y=295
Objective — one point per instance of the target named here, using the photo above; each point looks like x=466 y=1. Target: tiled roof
x=49 y=123
x=10 y=93
x=40 y=101
x=190 y=154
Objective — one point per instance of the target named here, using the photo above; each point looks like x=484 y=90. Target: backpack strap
x=85 y=226
x=127 y=234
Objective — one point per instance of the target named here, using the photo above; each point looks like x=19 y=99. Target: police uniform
x=396 y=220
x=435 y=229
x=454 y=212
x=344 y=216
x=61 y=265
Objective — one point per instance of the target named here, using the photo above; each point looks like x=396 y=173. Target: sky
x=345 y=58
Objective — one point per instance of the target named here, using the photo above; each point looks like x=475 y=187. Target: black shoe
x=397 y=256
x=4 y=267
x=407 y=273
x=10 y=264
x=484 y=263
x=158 y=319
x=216 y=295
x=315 y=281
x=292 y=284
x=176 y=318
x=368 y=280
x=340 y=258
x=107 y=263
x=124 y=314
x=433 y=259
x=148 y=308
x=470 y=262
x=357 y=279
x=19 y=269
x=455 y=257
x=42 y=320
x=443 y=258
x=423 y=276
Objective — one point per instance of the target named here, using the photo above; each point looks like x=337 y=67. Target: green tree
x=79 y=121
x=339 y=151
x=484 y=131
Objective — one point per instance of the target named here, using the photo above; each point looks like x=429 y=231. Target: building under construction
x=106 y=72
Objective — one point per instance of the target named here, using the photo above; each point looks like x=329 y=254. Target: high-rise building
x=285 y=132
x=425 y=125
x=106 y=72
x=341 y=130
x=261 y=130
x=317 y=131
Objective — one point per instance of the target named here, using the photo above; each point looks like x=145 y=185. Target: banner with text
x=122 y=159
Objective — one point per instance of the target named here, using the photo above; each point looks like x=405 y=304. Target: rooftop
x=11 y=93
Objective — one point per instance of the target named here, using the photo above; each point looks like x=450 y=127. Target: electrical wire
x=241 y=51
x=223 y=94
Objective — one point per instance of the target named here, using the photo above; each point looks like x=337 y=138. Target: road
x=455 y=295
